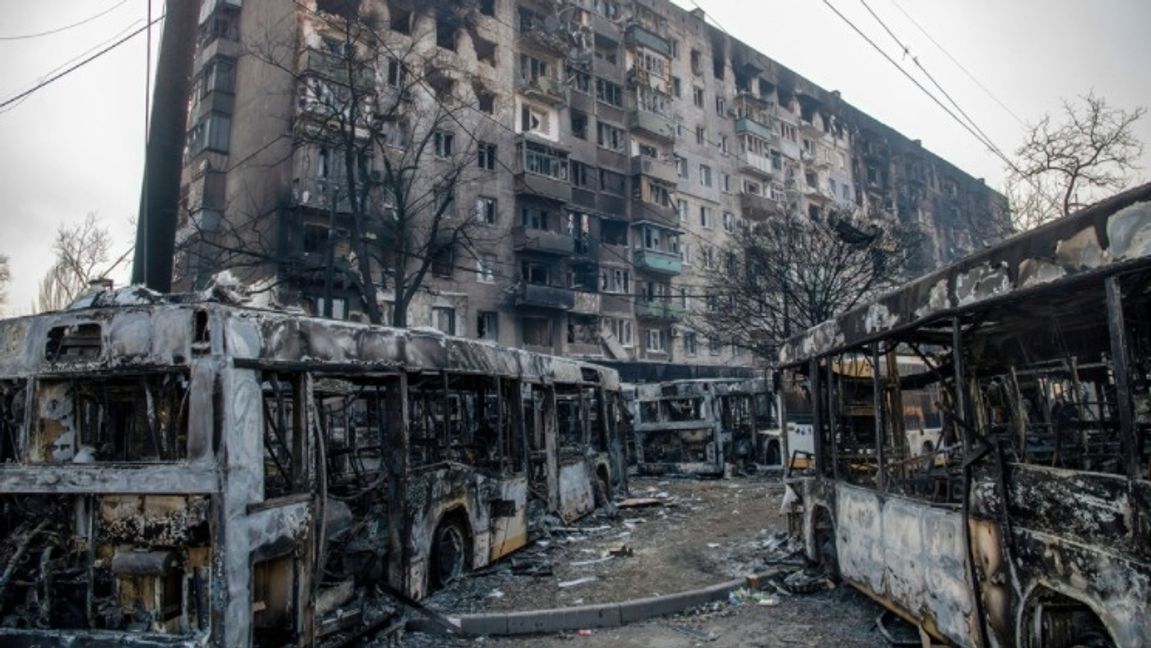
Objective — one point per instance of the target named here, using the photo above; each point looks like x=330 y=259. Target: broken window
x=346 y=9
x=488 y=325
x=486 y=155
x=284 y=434
x=112 y=418
x=12 y=418
x=445 y=32
x=537 y=331
x=613 y=232
x=485 y=51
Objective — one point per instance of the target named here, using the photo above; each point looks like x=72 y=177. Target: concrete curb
x=604 y=615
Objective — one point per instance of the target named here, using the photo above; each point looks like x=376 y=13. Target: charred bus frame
x=1029 y=524
x=697 y=426
x=200 y=474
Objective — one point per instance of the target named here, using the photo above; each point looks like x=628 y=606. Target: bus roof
x=157 y=331
x=1108 y=237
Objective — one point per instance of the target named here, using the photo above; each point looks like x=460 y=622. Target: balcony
x=669 y=263
x=586 y=303
x=660 y=308
x=758 y=208
x=817 y=194
x=646 y=212
x=586 y=250
x=536 y=35
x=319 y=193
x=814 y=160
x=541 y=186
x=653 y=124
x=663 y=171
x=637 y=35
x=756 y=164
x=547 y=242
x=535 y=295
x=811 y=130
x=752 y=127
x=789 y=148
x=543 y=88
x=335 y=69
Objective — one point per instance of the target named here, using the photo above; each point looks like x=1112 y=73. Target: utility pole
x=160 y=193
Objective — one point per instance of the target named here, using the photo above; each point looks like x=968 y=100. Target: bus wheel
x=449 y=552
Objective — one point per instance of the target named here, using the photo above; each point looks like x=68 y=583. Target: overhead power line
x=57 y=30
x=77 y=66
x=959 y=65
x=990 y=145
x=915 y=59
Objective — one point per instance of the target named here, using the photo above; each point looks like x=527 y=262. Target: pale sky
x=77 y=145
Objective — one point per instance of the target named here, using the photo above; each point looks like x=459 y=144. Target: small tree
x=82 y=254
x=789 y=273
x=394 y=132
x=1065 y=165
x=5 y=277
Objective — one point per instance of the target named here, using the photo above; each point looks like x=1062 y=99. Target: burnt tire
x=449 y=553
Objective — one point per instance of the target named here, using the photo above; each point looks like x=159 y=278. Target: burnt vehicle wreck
x=697 y=426
x=1026 y=522
x=187 y=473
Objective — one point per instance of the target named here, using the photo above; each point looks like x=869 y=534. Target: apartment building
x=612 y=149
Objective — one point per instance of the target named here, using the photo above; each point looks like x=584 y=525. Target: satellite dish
x=552 y=23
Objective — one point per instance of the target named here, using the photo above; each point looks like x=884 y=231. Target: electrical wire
x=77 y=66
x=990 y=146
x=65 y=27
x=914 y=59
x=959 y=65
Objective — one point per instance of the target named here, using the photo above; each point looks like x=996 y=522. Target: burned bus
x=697 y=426
x=179 y=473
x=1028 y=523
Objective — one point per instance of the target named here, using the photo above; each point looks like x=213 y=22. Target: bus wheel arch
x=1050 y=618
x=449 y=555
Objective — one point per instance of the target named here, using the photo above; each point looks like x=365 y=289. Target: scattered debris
x=532 y=565
x=578 y=581
x=640 y=502
x=622 y=551
x=806 y=581
x=697 y=633
x=585 y=563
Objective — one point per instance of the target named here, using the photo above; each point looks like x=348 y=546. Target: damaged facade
x=1025 y=521
x=190 y=473
x=620 y=145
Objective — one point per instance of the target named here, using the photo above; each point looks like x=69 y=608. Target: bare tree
x=1065 y=165
x=390 y=130
x=781 y=276
x=5 y=277
x=82 y=255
